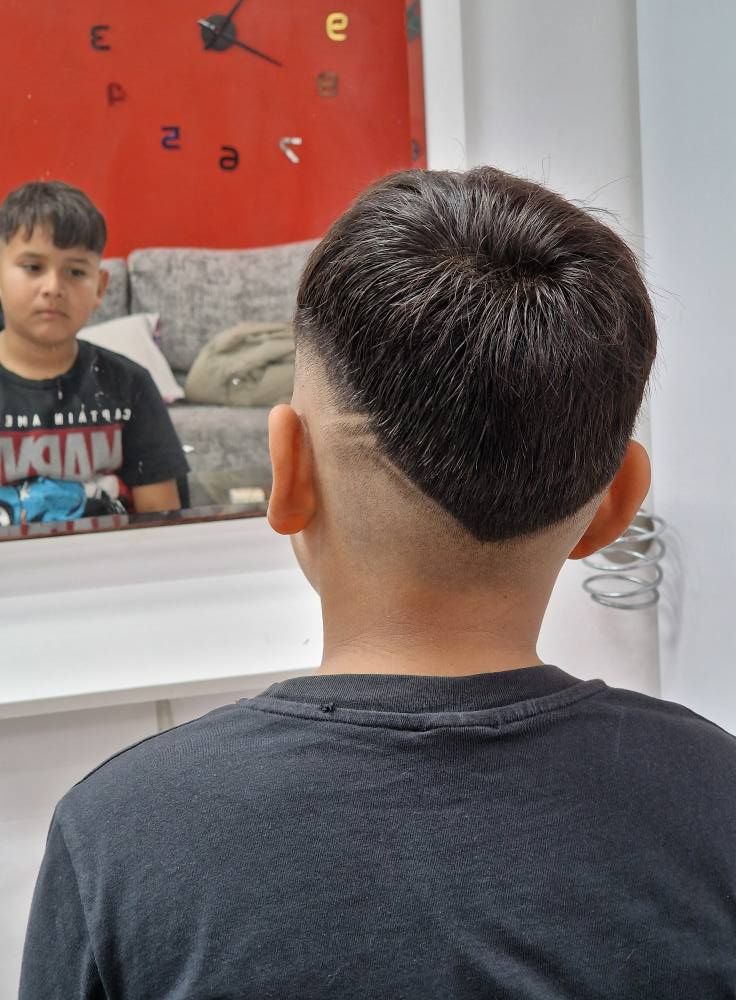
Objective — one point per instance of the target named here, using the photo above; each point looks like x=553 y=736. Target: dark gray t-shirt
x=513 y=835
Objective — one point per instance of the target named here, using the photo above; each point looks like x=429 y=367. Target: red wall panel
x=63 y=75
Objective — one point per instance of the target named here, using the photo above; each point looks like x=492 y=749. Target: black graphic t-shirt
x=76 y=444
x=503 y=836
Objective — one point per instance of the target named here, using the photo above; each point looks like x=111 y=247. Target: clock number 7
x=170 y=138
x=231 y=159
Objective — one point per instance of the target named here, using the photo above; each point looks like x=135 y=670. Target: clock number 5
x=231 y=159
x=171 y=137
x=97 y=37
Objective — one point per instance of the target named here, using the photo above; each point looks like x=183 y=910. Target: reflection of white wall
x=688 y=80
x=549 y=91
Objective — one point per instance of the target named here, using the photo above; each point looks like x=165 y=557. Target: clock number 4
x=97 y=37
x=171 y=138
x=115 y=94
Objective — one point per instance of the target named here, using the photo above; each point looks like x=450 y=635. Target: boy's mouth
x=50 y=312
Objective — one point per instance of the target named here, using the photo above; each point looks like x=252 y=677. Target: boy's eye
x=76 y=273
x=31 y=267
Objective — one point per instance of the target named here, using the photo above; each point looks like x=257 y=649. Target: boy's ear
x=102 y=283
x=622 y=500
x=292 y=504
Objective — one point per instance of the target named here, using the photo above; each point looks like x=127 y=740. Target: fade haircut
x=73 y=219
x=497 y=339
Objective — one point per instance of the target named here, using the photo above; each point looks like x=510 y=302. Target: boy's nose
x=53 y=284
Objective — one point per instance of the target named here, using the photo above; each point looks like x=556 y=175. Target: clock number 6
x=231 y=159
x=171 y=136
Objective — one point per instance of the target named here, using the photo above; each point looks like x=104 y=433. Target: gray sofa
x=197 y=294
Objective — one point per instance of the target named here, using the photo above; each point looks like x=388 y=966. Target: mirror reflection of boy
x=83 y=430
x=438 y=813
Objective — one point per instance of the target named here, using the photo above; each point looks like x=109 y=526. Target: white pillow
x=132 y=336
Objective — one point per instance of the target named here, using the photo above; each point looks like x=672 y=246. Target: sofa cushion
x=226 y=447
x=198 y=293
x=115 y=303
x=251 y=364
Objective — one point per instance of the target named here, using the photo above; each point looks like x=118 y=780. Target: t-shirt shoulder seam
x=672 y=708
x=133 y=746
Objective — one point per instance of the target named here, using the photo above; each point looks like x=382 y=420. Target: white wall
x=444 y=87
x=551 y=94
x=40 y=759
x=549 y=91
x=688 y=80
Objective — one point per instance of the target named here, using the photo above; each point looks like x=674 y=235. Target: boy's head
x=472 y=352
x=65 y=211
x=51 y=242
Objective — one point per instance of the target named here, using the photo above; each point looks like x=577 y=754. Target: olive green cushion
x=251 y=364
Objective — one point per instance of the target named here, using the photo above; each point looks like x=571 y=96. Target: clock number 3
x=336 y=25
x=97 y=37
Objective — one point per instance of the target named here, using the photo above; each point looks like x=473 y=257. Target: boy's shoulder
x=172 y=755
x=102 y=360
x=670 y=712
x=657 y=729
x=658 y=754
x=198 y=735
x=90 y=360
x=651 y=725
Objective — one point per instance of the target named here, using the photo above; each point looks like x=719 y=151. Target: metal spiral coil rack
x=628 y=570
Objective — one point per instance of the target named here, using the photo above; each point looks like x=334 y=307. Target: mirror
x=219 y=142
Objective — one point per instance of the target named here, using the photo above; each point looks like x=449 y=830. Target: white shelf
x=94 y=620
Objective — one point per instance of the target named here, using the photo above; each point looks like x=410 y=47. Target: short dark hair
x=497 y=338
x=74 y=220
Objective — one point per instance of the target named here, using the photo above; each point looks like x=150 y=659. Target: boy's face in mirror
x=47 y=293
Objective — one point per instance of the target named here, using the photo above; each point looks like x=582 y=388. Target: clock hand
x=234 y=41
x=216 y=32
x=255 y=52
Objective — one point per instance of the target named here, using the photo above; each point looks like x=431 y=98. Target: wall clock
x=211 y=122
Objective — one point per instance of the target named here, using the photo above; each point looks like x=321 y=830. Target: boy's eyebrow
x=40 y=256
